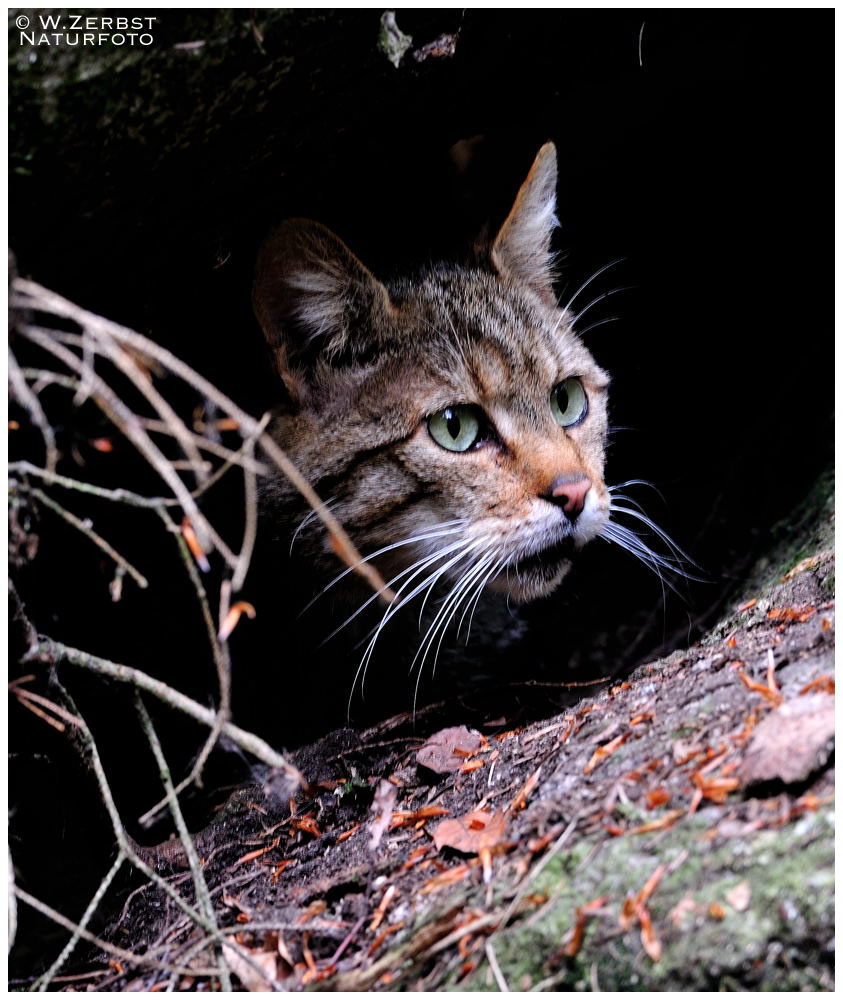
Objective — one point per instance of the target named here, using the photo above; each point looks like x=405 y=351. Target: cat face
x=454 y=419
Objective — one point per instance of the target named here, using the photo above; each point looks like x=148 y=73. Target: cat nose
x=569 y=492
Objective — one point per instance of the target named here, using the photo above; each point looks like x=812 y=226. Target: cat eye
x=456 y=428
x=569 y=402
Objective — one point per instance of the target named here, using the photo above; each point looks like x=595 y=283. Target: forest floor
x=673 y=830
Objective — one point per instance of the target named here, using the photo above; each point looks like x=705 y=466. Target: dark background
x=142 y=191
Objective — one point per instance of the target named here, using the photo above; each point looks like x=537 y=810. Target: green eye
x=456 y=428
x=569 y=402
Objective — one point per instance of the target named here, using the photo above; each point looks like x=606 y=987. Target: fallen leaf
x=402 y=817
x=445 y=751
x=739 y=897
x=808 y=563
x=748 y=604
x=476 y=831
x=792 y=742
x=254 y=980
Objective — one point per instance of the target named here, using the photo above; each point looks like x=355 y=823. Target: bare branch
x=29 y=401
x=203 y=897
x=87 y=531
x=57 y=651
x=34 y=296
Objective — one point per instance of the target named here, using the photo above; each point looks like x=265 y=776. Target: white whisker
x=596 y=274
x=435 y=531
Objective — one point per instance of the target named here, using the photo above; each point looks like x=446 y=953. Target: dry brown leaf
x=446 y=751
x=477 y=831
x=793 y=741
x=255 y=980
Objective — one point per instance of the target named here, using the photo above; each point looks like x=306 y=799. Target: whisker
x=605 y=295
x=632 y=544
x=427 y=583
x=435 y=531
x=445 y=615
x=634 y=482
x=663 y=535
x=600 y=322
x=585 y=284
x=307 y=519
x=418 y=565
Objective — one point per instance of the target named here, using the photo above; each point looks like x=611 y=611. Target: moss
x=777 y=943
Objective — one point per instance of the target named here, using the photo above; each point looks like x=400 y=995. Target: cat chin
x=525 y=586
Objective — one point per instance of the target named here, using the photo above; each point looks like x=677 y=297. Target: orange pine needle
x=601 y=753
x=196 y=549
x=233 y=617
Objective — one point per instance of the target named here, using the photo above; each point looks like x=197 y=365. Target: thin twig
x=34 y=296
x=87 y=531
x=29 y=401
x=221 y=660
x=496 y=969
x=127 y=422
x=118 y=495
x=57 y=651
x=129 y=366
x=130 y=958
x=46 y=978
x=200 y=885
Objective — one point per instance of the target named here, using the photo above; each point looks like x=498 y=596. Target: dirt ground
x=673 y=830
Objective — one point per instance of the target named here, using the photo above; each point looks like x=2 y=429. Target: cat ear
x=311 y=294
x=522 y=246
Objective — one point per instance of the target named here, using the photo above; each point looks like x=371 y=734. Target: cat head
x=453 y=419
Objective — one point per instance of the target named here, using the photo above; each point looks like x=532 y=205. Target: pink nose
x=569 y=493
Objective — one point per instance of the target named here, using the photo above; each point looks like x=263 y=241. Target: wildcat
x=454 y=420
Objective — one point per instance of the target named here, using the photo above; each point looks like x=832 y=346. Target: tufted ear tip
x=522 y=246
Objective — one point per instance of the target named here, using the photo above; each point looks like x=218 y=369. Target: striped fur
x=365 y=365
